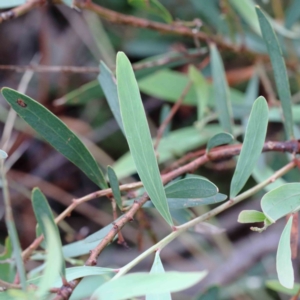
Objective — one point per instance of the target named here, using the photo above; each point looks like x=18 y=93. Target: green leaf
x=281 y=201
x=213 y=293
x=246 y=9
x=202 y=90
x=88 y=285
x=42 y=210
x=280 y=73
x=253 y=143
x=277 y=287
x=182 y=203
x=109 y=86
x=82 y=95
x=164 y=112
x=221 y=91
x=54 y=259
x=138 y=135
x=154 y=7
x=74 y=273
x=251 y=216
x=11 y=3
x=168 y=85
x=219 y=139
x=139 y=284
x=55 y=132
x=7 y=270
x=3 y=154
x=284 y=264
x=191 y=188
x=158 y=268
x=114 y=183
x=292 y=13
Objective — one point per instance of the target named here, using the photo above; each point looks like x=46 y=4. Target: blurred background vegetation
x=239 y=261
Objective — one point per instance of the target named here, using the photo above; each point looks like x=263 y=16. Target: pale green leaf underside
x=251 y=216
x=139 y=284
x=191 y=188
x=53 y=259
x=284 y=265
x=3 y=154
x=109 y=87
x=56 y=133
x=42 y=210
x=281 y=201
x=181 y=203
x=253 y=143
x=138 y=135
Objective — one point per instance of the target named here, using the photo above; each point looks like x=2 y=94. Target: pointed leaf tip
x=253 y=144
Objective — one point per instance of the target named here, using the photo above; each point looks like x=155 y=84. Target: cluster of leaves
x=124 y=99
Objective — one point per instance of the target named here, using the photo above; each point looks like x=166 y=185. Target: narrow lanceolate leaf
x=191 y=187
x=284 y=264
x=253 y=143
x=158 y=268
x=219 y=139
x=280 y=73
x=139 y=284
x=281 y=201
x=202 y=90
x=54 y=259
x=181 y=203
x=42 y=210
x=114 y=183
x=251 y=216
x=138 y=135
x=109 y=86
x=221 y=92
x=56 y=133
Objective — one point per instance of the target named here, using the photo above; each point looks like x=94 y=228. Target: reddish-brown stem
x=173 y=111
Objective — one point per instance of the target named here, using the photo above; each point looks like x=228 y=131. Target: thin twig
x=179 y=229
x=224 y=152
x=166 y=59
x=21 y=10
x=171 y=114
x=174 y=28
x=9 y=285
x=232 y=151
